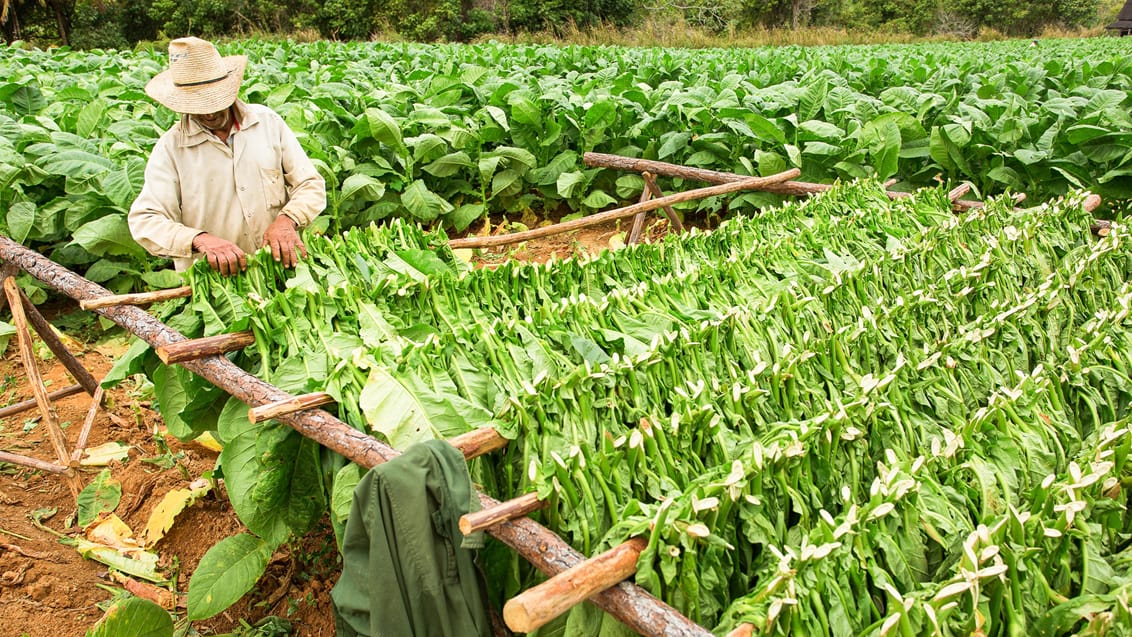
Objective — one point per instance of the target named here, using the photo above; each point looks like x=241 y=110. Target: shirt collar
x=192 y=133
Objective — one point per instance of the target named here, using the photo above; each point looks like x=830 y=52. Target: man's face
x=220 y=120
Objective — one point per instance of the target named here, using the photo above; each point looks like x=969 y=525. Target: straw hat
x=198 y=81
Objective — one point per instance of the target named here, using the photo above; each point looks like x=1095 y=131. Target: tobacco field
x=845 y=414
x=446 y=134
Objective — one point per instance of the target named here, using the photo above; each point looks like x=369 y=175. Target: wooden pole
x=54 y=432
x=603 y=160
x=30 y=403
x=747 y=183
x=289 y=406
x=673 y=219
x=46 y=332
x=639 y=220
x=33 y=463
x=509 y=510
x=742 y=630
x=536 y=606
x=478 y=442
x=88 y=424
x=141 y=298
x=198 y=348
x=629 y=603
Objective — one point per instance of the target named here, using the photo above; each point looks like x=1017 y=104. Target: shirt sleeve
x=155 y=216
x=307 y=187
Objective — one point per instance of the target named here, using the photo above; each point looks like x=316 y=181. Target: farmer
x=229 y=177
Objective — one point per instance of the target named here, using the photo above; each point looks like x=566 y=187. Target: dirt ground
x=48 y=590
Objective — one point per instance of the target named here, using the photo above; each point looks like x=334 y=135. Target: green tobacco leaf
x=363 y=187
x=464 y=215
x=424 y=204
x=21 y=219
x=570 y=183
x=882 y=137
x=449 y=164
x=382 y=127
x=109 y=235
x=24 y=98
x=227 y=571
x=89 y=117
x=134 y=617
x=407 y=412
x=102 y=494
x=123 y=184
x=598 y=199
x=271 y=472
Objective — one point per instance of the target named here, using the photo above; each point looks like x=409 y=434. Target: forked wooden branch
x=141 y=298
x=31 y=367
x=673 y=218
x=536 y=606
x=627 y=602
x=639 y=219
x=747 y=183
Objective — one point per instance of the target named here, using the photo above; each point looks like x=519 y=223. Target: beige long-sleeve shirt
x=196 y=183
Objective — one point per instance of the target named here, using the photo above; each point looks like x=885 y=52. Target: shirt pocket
x=274 y=190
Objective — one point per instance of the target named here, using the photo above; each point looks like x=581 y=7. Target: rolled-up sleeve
x=154 y=216
x=307 y=188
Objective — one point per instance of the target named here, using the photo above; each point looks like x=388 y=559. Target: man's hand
x=284 y=241
x=223 y=255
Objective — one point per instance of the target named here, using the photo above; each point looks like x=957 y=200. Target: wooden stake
x=198 y=348
x=289 y=406
x=141 y=298
x=536 y=606
x=748 y=183
x=742 y=630
x=30 y=403
x=509 y=510
x=639 y=220
x=478 y=442
x=27 y=461
x=673 y=219
x=54 y=432
x=46 y=332
x=88 y=423
x=1092 y=202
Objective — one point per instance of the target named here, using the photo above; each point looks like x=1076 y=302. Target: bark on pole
x=629 y=603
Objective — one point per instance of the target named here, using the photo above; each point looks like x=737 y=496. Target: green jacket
x=407 y=570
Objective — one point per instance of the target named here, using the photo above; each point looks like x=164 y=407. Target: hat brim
x=201 y=99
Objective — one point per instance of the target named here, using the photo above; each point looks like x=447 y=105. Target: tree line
x=123 y=23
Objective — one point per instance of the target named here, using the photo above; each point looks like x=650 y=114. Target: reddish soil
x=48 y=590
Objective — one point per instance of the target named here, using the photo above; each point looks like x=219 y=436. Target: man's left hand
x=284 y=241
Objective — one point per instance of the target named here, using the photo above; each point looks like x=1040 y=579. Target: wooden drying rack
x=573 y=578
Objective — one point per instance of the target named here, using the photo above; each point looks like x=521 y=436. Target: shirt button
x=243 y=188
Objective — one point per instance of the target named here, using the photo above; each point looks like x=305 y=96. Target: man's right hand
x=223 y=255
